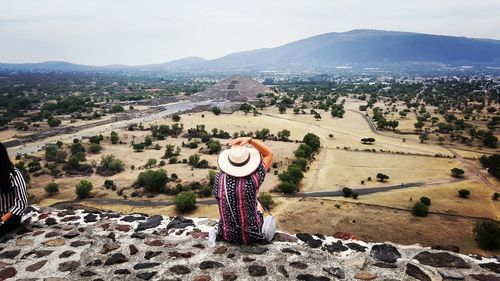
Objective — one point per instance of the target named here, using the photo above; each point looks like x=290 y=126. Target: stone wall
x=57 y=245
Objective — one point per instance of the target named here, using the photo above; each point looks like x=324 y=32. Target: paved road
x=211 y=201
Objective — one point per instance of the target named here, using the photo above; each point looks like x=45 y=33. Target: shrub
x=420 y=209
x=287 y=187
x=52 y=188
x=162 y=163
x=215 y=110
x=425 y=200
x=457 y=172
x=95 y=148
x=266 y=200
x=114 y=137
x=312 y=141
x=138 y=147
x=292 y=174
x=463 y=193
x=495 y=196
x=83 y=189
x=487 y=235
x=185 y=201
x=109 y=184
x=213 y=146
x=153 y=181
x=176 y=118
x=172 y=160
x=355 y=195
x=150 y=163
x=205 y=191
x=347 y=192
x=382 y=177
x=110 y=164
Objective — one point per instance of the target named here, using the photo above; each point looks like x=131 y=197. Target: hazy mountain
x=365 y=47
x=49 y=66
x=327 y=51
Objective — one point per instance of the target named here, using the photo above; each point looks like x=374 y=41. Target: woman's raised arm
x=267 y=153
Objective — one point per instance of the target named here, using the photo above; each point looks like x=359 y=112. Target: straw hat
x=239 y=160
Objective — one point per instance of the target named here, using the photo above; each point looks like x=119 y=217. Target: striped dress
x=15 y=199
x=242 y=193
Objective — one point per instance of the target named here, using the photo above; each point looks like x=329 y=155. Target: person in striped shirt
x=13 y=194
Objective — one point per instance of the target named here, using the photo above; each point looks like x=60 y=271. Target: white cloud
x=138 y=32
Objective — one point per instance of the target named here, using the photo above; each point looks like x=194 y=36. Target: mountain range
x=358 y=48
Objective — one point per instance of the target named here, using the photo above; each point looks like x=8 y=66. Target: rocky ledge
x=83 y=245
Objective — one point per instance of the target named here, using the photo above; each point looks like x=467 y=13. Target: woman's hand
x=240 y=141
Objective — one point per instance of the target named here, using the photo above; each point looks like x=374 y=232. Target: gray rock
x=257 y=270
x=310 y=277
x=123 y=271
x=291 y=251
x=68 y=266
x=146 y=265
x=210 y=265
x=282 y=270
x=116 y=258
x=451 y=274
x=151 y=222
x=385 y=253
x=180 y=222
x=335 y=247
x=179 y=269
x=252 y=250
x=335 y=271
x=485 y=277
x=417 y=273
x=442 y=259
x=495 y=267
x=9 y=254
x=146 y=275
x=36 y=266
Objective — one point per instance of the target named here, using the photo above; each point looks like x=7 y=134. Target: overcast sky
x=100 y=32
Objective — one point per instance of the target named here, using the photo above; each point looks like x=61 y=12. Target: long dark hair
x=6 y=168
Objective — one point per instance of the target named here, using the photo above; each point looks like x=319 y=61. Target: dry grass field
x=372 y=217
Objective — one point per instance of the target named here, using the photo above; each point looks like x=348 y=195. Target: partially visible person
x=13 y=194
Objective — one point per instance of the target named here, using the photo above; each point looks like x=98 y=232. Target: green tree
x=382 y=177
x=284 y=135
x=288 y=187
x=266 y=200
x=463 y=193
x=425 y=200
x=83 y=189
x=457 y=172
x=95 y=148
x=150 y=163
x=148 y=141
x=347 y=192
x=185 y=201
x=138 y=147
x=153 y=181
x=176 y=117
x=420 y=209
x=114 y=137
x=216 y=110
x=487 y=235
x=282 y=109
x=312 y=141
x=51 y=188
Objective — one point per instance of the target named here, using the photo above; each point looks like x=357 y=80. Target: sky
x=133 y=32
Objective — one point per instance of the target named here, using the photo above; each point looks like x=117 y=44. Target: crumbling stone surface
x=81 y=245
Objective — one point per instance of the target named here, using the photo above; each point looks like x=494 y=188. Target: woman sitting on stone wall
x=236 y=189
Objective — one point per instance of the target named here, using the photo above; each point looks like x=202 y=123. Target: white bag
x=269 y=228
